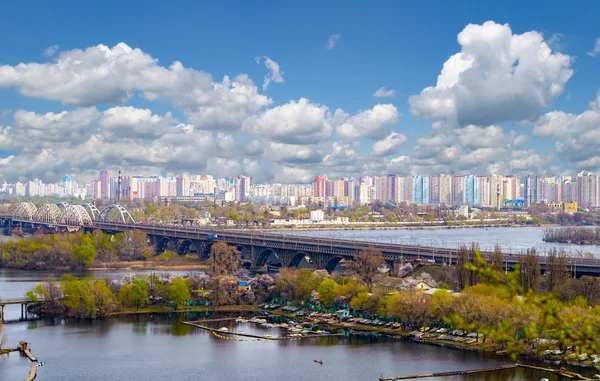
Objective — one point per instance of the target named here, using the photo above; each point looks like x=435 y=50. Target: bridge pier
x=2 y=313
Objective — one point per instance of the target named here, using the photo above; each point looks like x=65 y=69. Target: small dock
x=266 y=338
x=32 y=373
x=446 y=374
x=561 y=372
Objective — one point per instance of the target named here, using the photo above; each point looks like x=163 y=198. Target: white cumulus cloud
x=103 y=75
x=389 y=144
x=369 y=123
x=275 y=73
x=382 y=92
x=497 y=76
x=300 y=122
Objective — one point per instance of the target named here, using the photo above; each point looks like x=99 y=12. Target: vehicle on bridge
x=211 y=237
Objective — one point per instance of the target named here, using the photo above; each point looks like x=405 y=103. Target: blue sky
x=395 y=45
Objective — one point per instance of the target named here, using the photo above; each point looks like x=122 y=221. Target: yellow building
x=570 y=207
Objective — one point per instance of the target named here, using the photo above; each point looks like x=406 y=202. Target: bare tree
x=529 y=270
x=497 y=258
x=462 y=274
x=366 y=264
x=557 y=270
x=225 y=259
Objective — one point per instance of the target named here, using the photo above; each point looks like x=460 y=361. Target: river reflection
x=159 y=347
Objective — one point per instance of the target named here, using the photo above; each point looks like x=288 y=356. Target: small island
x=580 y=235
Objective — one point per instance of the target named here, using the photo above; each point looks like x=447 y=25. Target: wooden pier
x=561 y=372
x=445 y=374
x=259 y=337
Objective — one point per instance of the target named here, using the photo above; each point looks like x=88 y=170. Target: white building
x=317 y=215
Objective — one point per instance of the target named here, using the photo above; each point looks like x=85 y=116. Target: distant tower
x=498 y=196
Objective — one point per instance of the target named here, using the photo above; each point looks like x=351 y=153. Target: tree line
x=74 y=250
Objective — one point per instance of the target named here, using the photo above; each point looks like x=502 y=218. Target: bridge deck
x=343 y=248
x=14 y=301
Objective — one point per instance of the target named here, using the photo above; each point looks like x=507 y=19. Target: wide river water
x=510 y=239
x=159 y=347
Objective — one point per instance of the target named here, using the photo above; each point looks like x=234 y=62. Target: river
x=512 y=240
x=159 y=347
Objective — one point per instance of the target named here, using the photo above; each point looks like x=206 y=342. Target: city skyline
x=399 y=92
x=494 y=191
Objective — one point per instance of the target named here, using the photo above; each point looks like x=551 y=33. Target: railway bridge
x=256 y=247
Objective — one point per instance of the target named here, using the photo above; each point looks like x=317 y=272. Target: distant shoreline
x=424 y=227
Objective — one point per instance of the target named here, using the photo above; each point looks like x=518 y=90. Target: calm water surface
x=159 y=347
x=510 y=239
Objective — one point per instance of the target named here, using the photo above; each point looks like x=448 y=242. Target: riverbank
x=396 y=227
x=152 y=310
x=127 y=266
x=148 y=265
x=479 y=345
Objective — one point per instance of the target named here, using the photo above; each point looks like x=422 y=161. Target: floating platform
x=266 y=338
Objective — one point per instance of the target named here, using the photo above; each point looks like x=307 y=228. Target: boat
x=223 y=329
x=319 y=361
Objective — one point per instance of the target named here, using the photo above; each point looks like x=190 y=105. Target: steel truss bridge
x=256 y=247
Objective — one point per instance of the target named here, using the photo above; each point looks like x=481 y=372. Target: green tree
x=125 y=295
x=306 y=282
x=139 y=293
x=84 y=253
x=179 y=292
x=327 y=291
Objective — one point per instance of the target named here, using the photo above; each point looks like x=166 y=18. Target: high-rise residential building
x=183 y=185
x=510 y=187
x=129 y=188
x=587 y=189
x=469 y=190
x=105 y=177
x=446 y=189
x=20 y=189
x=408 y=189
x=96 y=189
x=434 y=189
x=381 y=189
x=350 y=189
x=484 y=191
x=364 y=194
x=337 y=188
x=531 y=190
x=421 y=189
x=319 y=187
x=240 y=189
x=67 y=184
x=458 y=190
x=392 y=184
